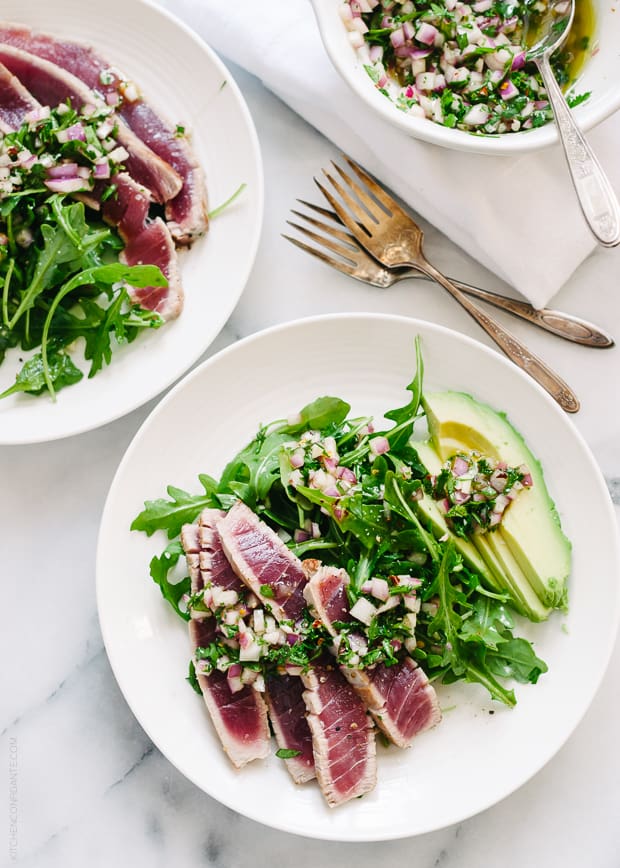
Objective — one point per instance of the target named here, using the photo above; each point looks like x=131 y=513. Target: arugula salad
x=420 y=512
x=60 y=276
x=464 y=65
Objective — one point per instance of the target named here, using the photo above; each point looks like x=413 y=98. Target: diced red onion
x=379 y=445
x=63 y=170
x=102 y=169
x=507 y=90
x=292 y=638
x=301 y=536
x=66 y=185
x=376 y=53
x=426 y=33
x=75 y=132
x=346 y=474
x=234 y=670
x=460 y=466
x=293 y=670
x=38 y=114
x=367 y=587
x=501 y=503
x=297 y=459
x=408 y=30
x=518 y=61
x=476 y=116
x=397 y=37
x=235 y=685
x=380 y=589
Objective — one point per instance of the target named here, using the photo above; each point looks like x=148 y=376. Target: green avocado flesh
x=529 y=553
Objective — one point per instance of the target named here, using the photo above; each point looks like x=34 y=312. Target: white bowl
x=601 y=76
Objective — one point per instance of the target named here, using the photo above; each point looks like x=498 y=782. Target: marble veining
x=91 y=787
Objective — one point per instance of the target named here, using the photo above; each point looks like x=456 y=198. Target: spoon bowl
x=596 y=197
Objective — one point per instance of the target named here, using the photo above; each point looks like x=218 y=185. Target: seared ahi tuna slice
x=51 y=85
x=187 y=212
x=15 y=101
x=343 y=736
x=213 y=561
x=239 y=719
x=263 y=562
x=399 y=697
x=154 y=246
x=287 y=712
x=147 y=242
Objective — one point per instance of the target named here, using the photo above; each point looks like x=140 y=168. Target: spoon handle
x=596 y=196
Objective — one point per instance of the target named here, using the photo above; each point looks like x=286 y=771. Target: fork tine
x=342 y=213
x=327 y=213
x=345 y=252
x=337 y=264
x=324 y=211
x=329 y=230
x=377 y=191
x=361 y=212
x=362 y=194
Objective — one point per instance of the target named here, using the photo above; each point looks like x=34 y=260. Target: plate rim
x=29 y=438
x=329 y=834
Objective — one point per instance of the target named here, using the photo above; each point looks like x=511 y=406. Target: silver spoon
x=596 y=196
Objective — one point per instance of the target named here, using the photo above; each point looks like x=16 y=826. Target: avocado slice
x=433 y=518
x=499 y=572
x=530 y=526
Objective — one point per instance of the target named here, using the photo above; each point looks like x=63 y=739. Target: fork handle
x=510 y=345
x=561 y=324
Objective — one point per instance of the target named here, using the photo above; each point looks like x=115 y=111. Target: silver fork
x=356 y=262
x=390 y=235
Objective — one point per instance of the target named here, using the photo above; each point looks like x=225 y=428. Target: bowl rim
x=587 y=116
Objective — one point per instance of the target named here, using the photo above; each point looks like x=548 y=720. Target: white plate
x=473 y=759
x=184 y=80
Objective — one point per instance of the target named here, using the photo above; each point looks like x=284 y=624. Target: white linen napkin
x=518 y=216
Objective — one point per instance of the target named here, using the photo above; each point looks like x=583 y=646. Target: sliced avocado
x=493 y=547
x=433 y=518
x=499 y=573
x=530 y=526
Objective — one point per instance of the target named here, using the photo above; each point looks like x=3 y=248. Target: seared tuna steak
x=15 y=101
x=287 y=712
x=343 y=736
x=186 y=213
x=239 y=719
x=399 y=697
x=263 y=562
x=51 y=85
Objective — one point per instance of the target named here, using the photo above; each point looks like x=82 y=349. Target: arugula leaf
x=123 y=324
x=287 y=753
x=159 y=569
x=488 y=623
x=251 y=474
x=182 y=508
x=32 y=379
x=319 y=414
x=515 y=658
x=405 y=416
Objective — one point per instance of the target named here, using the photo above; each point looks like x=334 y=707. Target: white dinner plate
x=473 y=758
x=186 y=83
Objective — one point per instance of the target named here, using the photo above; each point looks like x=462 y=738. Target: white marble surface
x=82 y=780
